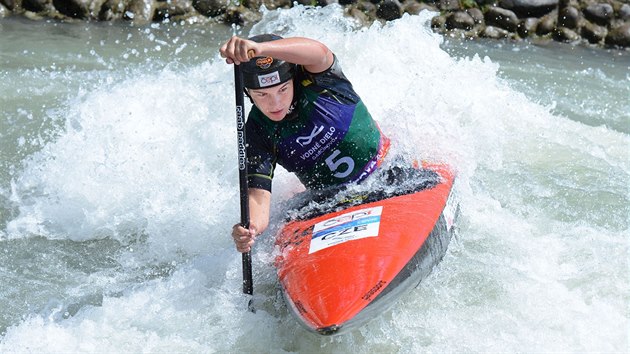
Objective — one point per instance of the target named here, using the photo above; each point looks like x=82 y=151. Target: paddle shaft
x=248 y=284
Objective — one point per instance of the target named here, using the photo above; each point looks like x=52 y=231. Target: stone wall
x=598 y=22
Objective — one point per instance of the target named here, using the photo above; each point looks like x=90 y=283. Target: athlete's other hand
x=238 y=50
x=244 y=238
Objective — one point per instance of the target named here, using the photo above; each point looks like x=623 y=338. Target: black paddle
x=248 y=284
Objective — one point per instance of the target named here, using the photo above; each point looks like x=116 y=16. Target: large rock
x=140 y=11
x=73 y=8
x=599 y=13
x=36 y=5
x=173 y=9
x=240 y=15
x=459 y=20
x=547 y=23
x=529 y=8
x=358 y=15
x=256 y=4
x=476 y=15
x=563 y=34
x=438 y=22
x=112 y=10
x=619 y=36
x=624 y=12
x=565 y=3
x=4 y=12
x=389 y=10
x=569 y=17
x=211 y=8
x=12 y=5
x=502 y=18
x=593 y=33
x=527 y=27
x=448 y=5
x=414 y=8
x=494 y=33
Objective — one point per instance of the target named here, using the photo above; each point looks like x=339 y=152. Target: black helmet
x=263 y=72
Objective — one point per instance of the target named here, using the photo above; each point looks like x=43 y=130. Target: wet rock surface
x=603 y=23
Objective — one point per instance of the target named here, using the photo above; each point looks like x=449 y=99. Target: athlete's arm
x=259 y=205
x=313 y=55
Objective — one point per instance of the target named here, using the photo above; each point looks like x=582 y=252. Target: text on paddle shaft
x=240 y=131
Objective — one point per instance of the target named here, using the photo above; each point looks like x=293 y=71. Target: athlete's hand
x=244 y=238
x=238 y=50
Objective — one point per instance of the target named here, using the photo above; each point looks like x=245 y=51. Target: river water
x=118 y=189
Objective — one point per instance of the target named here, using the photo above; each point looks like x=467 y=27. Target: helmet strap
x=248 y=96
x=293 y=111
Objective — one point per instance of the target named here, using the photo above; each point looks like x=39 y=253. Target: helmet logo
x=269 y=79
x=264 y=63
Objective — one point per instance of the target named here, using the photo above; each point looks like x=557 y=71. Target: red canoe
x=341 y=269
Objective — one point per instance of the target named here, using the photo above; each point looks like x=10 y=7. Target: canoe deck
x=340 y=269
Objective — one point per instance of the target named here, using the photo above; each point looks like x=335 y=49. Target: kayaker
x=305 y=116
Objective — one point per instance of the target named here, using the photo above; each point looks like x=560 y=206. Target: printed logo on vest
x=305 y=140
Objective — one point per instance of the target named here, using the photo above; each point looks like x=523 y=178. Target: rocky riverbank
x=597 y=22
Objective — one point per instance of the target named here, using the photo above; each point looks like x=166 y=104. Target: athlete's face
x=275 y=101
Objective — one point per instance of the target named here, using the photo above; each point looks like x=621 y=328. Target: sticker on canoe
x=346 y=227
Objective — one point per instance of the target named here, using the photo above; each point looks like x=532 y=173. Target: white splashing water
x=539 y=264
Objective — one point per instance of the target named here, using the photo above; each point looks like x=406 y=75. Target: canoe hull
x=343 y=268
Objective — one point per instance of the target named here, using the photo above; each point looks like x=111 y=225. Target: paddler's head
x=269 y=82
